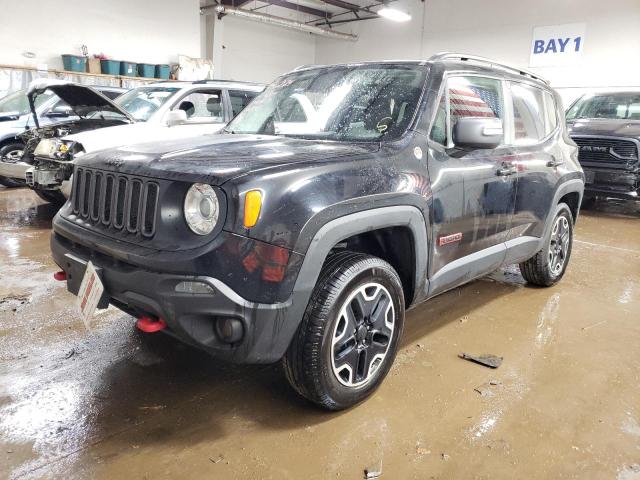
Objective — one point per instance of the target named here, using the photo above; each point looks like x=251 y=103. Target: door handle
x=554 y=162
x=507 y=169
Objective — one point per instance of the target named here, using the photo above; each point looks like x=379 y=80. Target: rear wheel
x=349 y=334
x=11 y=152
x=547 y=266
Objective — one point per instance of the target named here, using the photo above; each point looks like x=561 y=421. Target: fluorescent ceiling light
x=394 y=14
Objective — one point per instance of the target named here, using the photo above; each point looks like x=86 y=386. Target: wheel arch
x=10 y=139
x=372 y=231
x=568 y=191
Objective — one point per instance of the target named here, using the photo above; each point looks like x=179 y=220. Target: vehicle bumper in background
x=195 y=318
x=612 y=183
x=15 y=170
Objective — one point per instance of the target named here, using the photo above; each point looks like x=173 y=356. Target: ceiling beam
x=300 y=8
x=347 y=5
x=235 y=3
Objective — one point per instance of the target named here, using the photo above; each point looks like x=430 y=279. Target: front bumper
x=612 y=183
x=15 y=170
x=190 y=317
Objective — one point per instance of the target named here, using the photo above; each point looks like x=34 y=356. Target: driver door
x=473 y=189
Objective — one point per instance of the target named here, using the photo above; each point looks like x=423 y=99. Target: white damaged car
x=156 y=111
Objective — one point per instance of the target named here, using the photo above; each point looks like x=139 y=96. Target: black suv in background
x=606 y=127
x=339 y=197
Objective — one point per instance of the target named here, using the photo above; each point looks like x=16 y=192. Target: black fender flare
x=574 y=185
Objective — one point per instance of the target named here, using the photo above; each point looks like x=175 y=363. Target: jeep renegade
x=340 y=197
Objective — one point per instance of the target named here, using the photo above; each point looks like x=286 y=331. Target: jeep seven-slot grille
x=595 y=150
x=115 y=201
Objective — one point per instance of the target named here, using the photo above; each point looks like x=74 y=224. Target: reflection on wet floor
x=113 y=403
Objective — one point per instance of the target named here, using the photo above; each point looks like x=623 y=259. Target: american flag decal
x=472 y=101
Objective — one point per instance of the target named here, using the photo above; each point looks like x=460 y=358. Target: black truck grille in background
x=115 y=201
x=615 y=152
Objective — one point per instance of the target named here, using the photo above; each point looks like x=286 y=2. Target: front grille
x=116 y=202
x=597 y=151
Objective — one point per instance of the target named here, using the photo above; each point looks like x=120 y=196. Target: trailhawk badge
x=453 y=238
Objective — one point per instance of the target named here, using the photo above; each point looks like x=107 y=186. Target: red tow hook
x=60 y=276
x=150 y=325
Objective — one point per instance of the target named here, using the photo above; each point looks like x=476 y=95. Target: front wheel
x=349 y=334
x=11 y=153
x=52 y=196
x=547 y=266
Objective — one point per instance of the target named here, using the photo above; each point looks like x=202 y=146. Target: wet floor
x=112 y=403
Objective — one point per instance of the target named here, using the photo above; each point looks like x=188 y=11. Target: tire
x=52 y=196
x=547 y=266
x=11 y=149
x=346 y=310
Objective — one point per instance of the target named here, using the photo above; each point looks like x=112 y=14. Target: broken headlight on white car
x=55 y=149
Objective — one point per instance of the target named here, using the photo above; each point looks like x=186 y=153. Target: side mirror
x=60 y=111
x=478 y=132
x=176 y=117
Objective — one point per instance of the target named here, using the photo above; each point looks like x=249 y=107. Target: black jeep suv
x=341 y=196
x=606 y=127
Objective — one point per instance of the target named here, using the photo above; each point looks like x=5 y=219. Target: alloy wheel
x=362 y=334
x=559 y=244
x=13 y=156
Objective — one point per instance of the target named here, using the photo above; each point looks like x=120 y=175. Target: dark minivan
x=340 y=197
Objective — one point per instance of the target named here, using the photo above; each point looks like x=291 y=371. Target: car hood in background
x=604 y=127
x=217 y=158
x=83 y=99
x=134 y=133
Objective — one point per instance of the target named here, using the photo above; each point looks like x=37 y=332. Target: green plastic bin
x=110 y=67
x=163 y=71
x=146 y=70
x=129 y=69
x=74 y=63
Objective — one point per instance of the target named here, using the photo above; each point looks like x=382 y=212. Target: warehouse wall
x=502 y=29
x=248 y=50
x=150 y=31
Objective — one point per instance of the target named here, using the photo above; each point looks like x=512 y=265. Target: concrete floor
x=112 y=403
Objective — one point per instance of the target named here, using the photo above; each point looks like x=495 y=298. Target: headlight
x=54 y=148
x=47 y=147
x=201 y=208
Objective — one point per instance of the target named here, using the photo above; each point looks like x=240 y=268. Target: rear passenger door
x=473 y=190
x=534 y=140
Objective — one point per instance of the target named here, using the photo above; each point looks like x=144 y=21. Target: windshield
x=17 y=102
x=143 y=102
x=624 y=106
x=350 y=103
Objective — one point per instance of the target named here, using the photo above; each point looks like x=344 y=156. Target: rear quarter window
x=529 y=116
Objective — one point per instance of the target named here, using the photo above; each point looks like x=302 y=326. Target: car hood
x=217 y=158
x=134 y=133
x=82 y=99
x=605 y=127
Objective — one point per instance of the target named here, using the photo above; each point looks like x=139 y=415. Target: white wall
x=147 y=31
x=248 y=50
x=502 y=29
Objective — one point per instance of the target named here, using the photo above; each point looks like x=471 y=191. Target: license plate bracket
x=90 y=294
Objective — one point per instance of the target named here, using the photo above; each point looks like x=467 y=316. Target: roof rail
x=215 y=80
x=486 y=61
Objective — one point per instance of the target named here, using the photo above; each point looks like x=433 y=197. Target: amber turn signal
x=252 y=205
